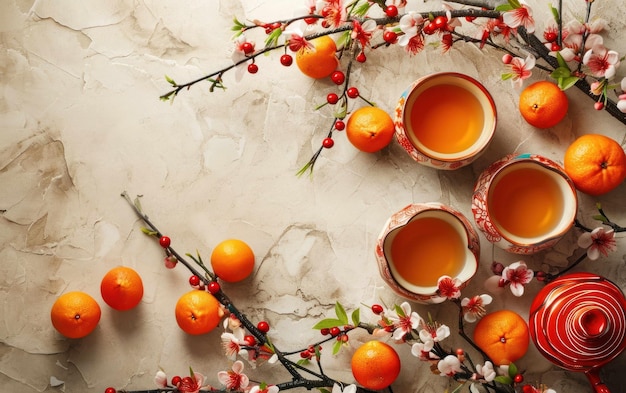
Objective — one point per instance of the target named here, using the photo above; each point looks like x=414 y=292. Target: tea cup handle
x=593 y=376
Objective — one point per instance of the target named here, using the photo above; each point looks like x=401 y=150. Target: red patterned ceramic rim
x=578 y=322
x=425 y=295
x=431 y=158
x=486 y=223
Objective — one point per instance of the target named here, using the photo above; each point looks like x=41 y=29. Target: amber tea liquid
x=526 y=202
x=426 y=249
x=446 y=119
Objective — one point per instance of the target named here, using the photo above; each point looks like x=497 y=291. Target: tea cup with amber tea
x=524 y=203
x=445 y=120
x=423 y=242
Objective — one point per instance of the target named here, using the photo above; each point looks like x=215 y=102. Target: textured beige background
x=81 y=121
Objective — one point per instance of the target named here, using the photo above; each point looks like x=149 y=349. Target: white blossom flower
x=598 y=242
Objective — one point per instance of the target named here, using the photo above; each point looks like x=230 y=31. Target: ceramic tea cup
x=445 y=120
x=524 y=203
x=423 y=242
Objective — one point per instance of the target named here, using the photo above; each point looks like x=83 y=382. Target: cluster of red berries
x=551 y=38
x=336 y=331
x=310 y=352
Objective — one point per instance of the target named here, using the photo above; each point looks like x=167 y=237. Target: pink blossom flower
x=517 y=275
x=422 y=351
x=232 y=342
x=474 y=308
x=521 y=69
x=333 y=12
x=191 y=384
x=574 y=30
x=598 y=242
x=412 y=39
x=486 y=371
x=601 y=61
x=266 y=389
x=448 y=287
x=404 y=321
x=449 y=366
x=363 y=32
x=432 y=333
x=234 y=379
x=522 y=16
x=160 y=379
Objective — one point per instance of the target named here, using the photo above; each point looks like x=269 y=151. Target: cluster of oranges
x=76 y=314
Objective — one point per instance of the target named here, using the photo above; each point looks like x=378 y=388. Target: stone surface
x=80 y=122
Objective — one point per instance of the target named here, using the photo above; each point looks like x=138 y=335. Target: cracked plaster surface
x=80 y=121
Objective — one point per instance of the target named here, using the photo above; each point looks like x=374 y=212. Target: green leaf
x=336 y=347
x=341 y=109
x=600 y=218
x=399 y=311
x=303 y=362
x=515 y=3
x=272 y=38
x=356 y=317
x=328 y=323
x=504 y=379
x=504 y=8
x=170 y=81
x=512 y=370
x=561 y=60
x=323 y=390
x=566 y=83
x=362 y=9
x=341 y=314
x=344 y=39
x=561 y=72
x=148 y=232
x=506 y=76
x=555 y=13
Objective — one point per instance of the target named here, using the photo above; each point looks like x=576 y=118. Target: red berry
x=555 y=47
x=325 y=331
x=470 y=18
x=253 y=68
x=165 y=241
x=340 y=125
x=519 y=378
x=429 y=28
x=305 y=355
x=598 y=106
x=249 y=340
x=377 y=309
x=334 y=331
x=507 y=58
x=110 y=390
x=332 y=98
x=440 y=22
x=391 y=11
x=328 y=143
x=352 y=92
x=247 y=48
x=214 y=287
x=338 y=77
x=550 y=36
x=460 y=352
x=361 y=57
x=263 y=327
x=286 y=60
x=194 y=281
x=176 y=380
x=390 y=37
x=310 y=21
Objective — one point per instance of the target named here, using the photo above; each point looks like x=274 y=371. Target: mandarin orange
x=320 y=61
x=198 y=312
x=375 y=365
x=370 y=129
x=543 y=104
x=121 y=288
x=75 y=314
x=595 y=163
x=503 y=336
x=232 y=260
